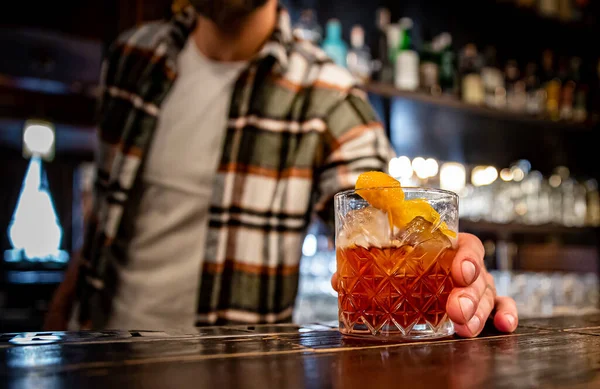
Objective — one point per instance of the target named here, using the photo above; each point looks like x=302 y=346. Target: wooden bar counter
x=561 y=352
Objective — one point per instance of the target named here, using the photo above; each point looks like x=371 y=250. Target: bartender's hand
x=474 y=296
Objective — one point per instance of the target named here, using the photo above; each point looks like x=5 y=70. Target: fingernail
x=511 y=320
x=474 y=325
x=468 y=272
x=467 y=307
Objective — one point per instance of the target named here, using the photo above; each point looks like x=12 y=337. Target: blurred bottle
x=359 y=56
x=548 y=8
x=579 y=204
x=307 y=28
x=551 y=84
x=530 y=188
x=429 y=68
x=553 y=99
x=503 y=207
x=493 y=80
x=563 y=69
x=516 y=95
x=407 y=59
x=536 y=96
x=384 y=69
x=547 y=72
x=447 y=64
x=472 y=90
x=556 y=197
x=580 y=113
x=569 y=196
x=334 y=45
x=570 y=82
x=593 y=203
x=580 y=103
x=393 y=38
x=565 y=10
x=544 y=207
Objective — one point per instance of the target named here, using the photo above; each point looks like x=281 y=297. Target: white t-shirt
x=158 y=285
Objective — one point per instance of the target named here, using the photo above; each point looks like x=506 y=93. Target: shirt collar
x=276 y=46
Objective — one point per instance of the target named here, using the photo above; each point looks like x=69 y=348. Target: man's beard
x=226 y=13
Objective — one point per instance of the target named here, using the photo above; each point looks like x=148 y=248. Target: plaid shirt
x=299 y=130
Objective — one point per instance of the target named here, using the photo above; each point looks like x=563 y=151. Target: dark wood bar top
x=561 y=352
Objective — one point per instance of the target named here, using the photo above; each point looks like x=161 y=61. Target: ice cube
x=366 y=227
x=429 y=245
x=419 y=231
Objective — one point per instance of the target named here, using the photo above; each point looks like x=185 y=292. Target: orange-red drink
x=394 y=260
x=385 y=287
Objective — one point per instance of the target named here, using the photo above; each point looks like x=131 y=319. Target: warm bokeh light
x=555 y=181
x=431 y=167
x=453 y=176
x=506 y=175
x=420 y=168
x=518 y=174
x=401 y=168
x=484 y=175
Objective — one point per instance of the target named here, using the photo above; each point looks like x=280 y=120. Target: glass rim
x=409 y=188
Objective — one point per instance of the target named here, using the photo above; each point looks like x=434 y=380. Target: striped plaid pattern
x=299 y=131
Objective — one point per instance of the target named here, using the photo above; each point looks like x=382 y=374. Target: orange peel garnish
x=385 y=193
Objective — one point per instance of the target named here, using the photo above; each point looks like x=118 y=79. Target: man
x=219 y=135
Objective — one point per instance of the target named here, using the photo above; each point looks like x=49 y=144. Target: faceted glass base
x=391 y=332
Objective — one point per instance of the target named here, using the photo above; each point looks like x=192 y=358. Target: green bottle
x=407 y=59
x=447 y=64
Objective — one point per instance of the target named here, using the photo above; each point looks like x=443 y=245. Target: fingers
x=463 y=302
x=506 y=318
x=475 y=325
x=468 y=262
x=334 y=282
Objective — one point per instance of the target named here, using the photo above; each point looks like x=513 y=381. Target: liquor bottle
x=407 y=59
x=493 y=80
x=308 y=28
x=333 y=44
x=447 y=64
x=551 y=84
x=547 y=71
x=582 y=88
x=567 y=99
x=553 y=99
x=383 y=68
x=430 y=69
x=563 y=69
x=580 y=113
x=593 y=203
x=536 y=96
x=548 y=8
x=516 y=97
x=471 y=85
x=393 y=38
x=359 y=56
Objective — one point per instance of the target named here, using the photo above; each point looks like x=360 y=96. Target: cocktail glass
x=394 y=281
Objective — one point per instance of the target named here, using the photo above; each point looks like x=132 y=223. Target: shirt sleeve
x=355 y=142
